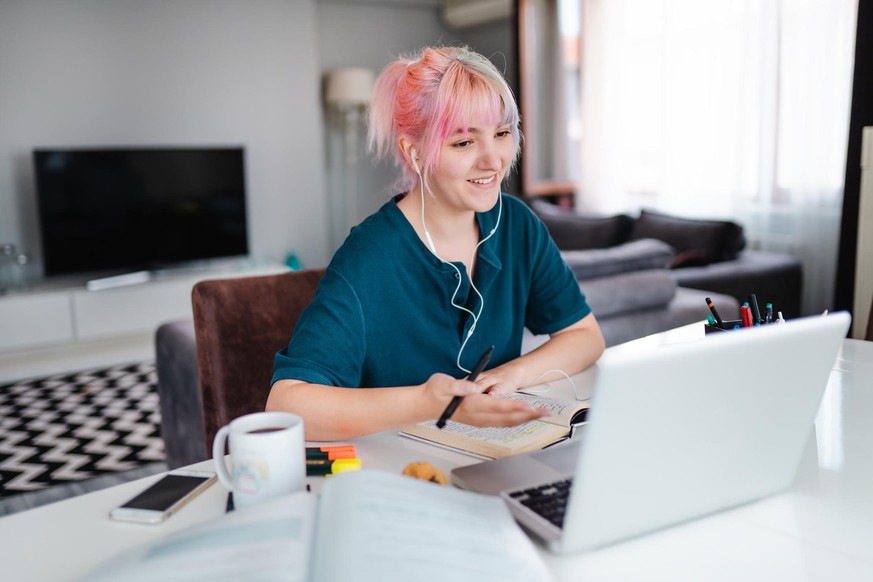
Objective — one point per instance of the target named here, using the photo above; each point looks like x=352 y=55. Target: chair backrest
x=239 y=325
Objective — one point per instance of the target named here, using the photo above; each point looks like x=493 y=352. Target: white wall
x=138 y=72
x=366 y=33
x=207 y=72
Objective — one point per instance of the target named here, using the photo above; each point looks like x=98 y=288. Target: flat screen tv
x=131 y=209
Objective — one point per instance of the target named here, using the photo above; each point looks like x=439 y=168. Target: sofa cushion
x=637 y=255
x=571 y=230
x=627 y=292
x=696 y=241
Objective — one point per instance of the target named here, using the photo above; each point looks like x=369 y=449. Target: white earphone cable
x=564 y=374
x=430 y=242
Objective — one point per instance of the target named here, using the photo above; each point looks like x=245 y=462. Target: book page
x=490 y=441
x=391 y=528
x=562 y=411
x=497 y=442
x=269 y=541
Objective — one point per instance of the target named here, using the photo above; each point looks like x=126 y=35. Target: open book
x=496 y=442
x=367 y=525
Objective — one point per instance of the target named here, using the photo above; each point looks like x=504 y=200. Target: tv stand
x=66 y=325
x=118 y=281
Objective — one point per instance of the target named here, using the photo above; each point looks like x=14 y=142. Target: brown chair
x=239 y=325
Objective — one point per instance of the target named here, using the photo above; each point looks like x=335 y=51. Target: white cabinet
x=32 y=320
x=127 y=310
x=50 y=331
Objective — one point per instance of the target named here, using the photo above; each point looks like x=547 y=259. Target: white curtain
x=714 y=109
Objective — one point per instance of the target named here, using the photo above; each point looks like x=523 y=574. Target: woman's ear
x=409 y=152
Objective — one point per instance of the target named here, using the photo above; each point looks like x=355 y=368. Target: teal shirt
x=382 y=314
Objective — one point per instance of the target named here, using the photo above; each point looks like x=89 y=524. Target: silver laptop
x=673 y=434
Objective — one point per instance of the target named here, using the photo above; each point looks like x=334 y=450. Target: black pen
x=715 y=314
x=453 y=405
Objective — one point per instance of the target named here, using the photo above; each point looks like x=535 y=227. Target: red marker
x=746 y=315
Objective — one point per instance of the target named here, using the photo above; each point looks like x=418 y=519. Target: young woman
x=424 y=286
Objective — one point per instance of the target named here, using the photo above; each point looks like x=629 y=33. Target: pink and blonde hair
x=431 y=95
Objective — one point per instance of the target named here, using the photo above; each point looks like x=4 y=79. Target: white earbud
x=414 y=156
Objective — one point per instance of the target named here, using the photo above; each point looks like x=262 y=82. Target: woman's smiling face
x=471 y=167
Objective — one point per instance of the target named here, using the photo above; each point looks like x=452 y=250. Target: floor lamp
x=347 y=95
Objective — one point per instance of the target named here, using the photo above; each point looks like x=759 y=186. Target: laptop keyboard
x=549 y=501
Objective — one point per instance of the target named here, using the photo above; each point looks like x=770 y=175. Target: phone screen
x=163 y=494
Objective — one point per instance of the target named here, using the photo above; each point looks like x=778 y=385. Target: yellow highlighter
x=325 y=467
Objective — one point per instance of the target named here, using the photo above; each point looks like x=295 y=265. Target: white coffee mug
x=267 y=453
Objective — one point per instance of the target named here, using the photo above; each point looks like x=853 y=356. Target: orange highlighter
x=330 y=453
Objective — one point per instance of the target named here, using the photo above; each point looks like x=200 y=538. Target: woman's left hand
x=567 y=352
x=501 y=380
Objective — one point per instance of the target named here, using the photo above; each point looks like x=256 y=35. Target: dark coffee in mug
x=267 y=429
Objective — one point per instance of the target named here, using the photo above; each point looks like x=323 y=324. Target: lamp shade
x=349 y=86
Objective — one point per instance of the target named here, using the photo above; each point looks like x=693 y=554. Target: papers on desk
x=368 y=525
x=270 y=541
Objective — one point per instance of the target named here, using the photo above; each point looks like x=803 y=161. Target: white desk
x=821 y=529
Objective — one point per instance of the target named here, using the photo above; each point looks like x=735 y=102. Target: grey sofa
x=633 y=293
x=709 y=255
x=179 y=393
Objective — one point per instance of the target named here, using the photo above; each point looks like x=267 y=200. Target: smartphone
x=164 y=497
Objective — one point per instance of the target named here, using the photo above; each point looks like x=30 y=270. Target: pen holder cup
x=728 y=324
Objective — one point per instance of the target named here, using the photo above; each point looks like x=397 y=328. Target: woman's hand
x=477 y=408
x=567 y=352
x=441 y=388
x=488 y=410
x=504 y=379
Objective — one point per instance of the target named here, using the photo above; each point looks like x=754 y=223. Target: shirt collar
x=486 y=220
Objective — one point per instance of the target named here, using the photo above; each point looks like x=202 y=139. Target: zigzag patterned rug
x=71 y=427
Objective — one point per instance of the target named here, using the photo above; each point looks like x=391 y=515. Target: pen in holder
x=750 y=316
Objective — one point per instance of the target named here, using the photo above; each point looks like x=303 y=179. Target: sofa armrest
x=775 y=278
x=179 y=393
x=633 y=256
